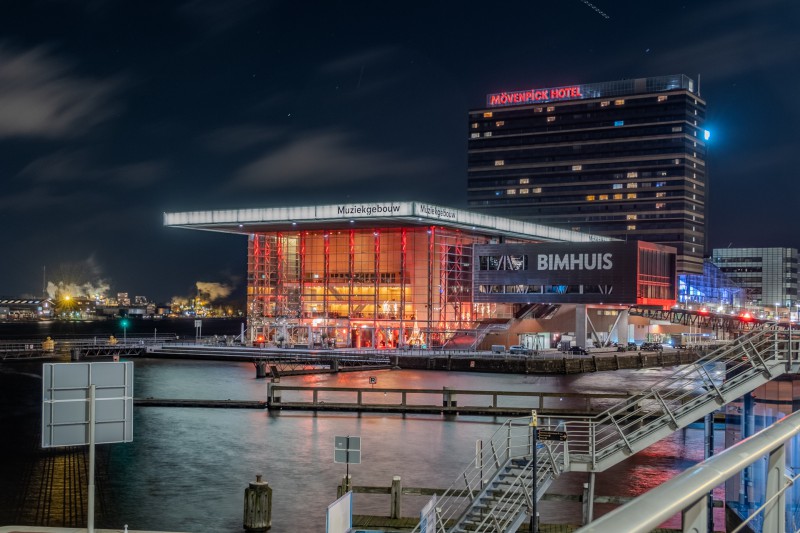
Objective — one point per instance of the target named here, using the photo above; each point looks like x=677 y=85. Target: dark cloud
x=359 y=60
x=41 y=96
x=236 y=138
x=327 y=157
x=214 y=16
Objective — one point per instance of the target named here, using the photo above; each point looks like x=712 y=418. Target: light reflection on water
x=187 y=468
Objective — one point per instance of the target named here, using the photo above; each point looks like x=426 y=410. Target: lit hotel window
x=631 y=195
x=676 y=161
x=536 y=190
x=661 y=205
x=577 y=167
x=676 y=128
x=500 y=123
x=661 y=183
x=551 y=108
x=604 y=103
x=603 y=197
x=630 y=217
x=662 y=98
x=499 y=163
x=537 y=109
x=617 y=197
x=631 y=226
x=487 y=134
x=475 y=135
x=616 y=186
x=524 y=191
x=524 y=181
x=551 y=119
x=660 y=194
x=619 y=102
x=631 y=185
x=488 y=114
x=474 y=125
x=511 y=191
x=590 y=198
x=632 y=175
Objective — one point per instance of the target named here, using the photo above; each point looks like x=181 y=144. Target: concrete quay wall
x=563 y=365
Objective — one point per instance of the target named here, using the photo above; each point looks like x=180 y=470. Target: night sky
x=112 y=112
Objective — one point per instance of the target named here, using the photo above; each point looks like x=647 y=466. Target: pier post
x=396 y=493
x=257 y=506
x=261 y=369
x=334 y=364
x=345 y=486
x=76 y=354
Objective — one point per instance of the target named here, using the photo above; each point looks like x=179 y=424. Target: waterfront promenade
x=187 y=467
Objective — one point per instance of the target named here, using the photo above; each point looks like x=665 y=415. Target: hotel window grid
x=658 y=140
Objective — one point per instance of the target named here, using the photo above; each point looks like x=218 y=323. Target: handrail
x=692 y=485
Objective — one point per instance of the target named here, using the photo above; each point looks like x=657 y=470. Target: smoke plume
x=213 y=291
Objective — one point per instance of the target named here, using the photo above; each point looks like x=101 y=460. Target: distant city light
x=706 y=135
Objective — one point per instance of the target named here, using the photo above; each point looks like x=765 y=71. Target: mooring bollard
x=257 y=506
x=396 y=494
x=345 y=486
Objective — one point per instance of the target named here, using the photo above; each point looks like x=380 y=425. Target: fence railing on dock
x=436 y=400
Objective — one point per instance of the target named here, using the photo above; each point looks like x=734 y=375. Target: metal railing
x=596 y=443
x=687 y=492
x=691 y=392
x=506 y=456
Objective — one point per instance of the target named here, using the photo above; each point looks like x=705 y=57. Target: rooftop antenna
x=44 y=281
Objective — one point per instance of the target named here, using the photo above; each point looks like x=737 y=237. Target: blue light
x=619 y=123
x=706 y=135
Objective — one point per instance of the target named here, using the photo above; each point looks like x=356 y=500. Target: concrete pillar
x=448 y=398
x=261 y=369
x=273 y=394
x=580 y=325
x=257 y=506
x=334 y=364
x=621 y=330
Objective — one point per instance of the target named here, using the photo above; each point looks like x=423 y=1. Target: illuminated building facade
x=397 y=274
x=626 y=159
x=768 y=276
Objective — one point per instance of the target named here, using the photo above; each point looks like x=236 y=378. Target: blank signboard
x=65 y=403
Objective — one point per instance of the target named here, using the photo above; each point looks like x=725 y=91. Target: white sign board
x=65 y=403
x=339 y=517
x=427 y=517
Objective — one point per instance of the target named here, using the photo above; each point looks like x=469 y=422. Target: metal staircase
x=494 y=494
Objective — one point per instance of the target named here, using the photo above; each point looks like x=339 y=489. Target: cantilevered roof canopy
x=369 y=215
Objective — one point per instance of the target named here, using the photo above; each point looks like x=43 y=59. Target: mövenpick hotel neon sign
x=534 y=95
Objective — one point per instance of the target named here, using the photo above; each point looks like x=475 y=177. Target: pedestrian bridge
x=501 y=490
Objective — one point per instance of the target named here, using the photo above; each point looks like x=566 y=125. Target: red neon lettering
x=535 y=95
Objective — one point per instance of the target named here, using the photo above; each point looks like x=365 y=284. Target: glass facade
x=768 y=276
x=626 y=159
x=365 y=287
x=713 y=288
